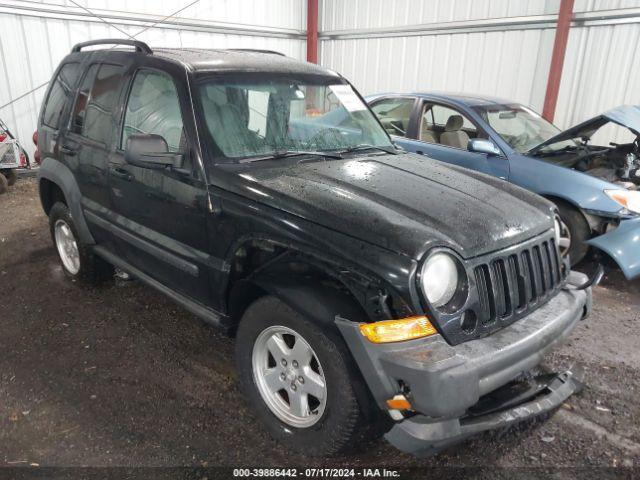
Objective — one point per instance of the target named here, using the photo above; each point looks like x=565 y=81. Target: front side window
x=92 y=114
x=446 y=126
x=153 y=107
x=521 y=127
x=394 y=114
x=263 y=115
x=61 y=92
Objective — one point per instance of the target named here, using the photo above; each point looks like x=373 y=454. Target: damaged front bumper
x=423 y=436
x=623 y=245
x=447 y=385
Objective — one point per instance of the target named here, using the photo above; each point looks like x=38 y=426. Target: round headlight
x=439 y=278
x=558 y=229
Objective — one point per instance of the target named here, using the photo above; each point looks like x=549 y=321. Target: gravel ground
x=120 y=376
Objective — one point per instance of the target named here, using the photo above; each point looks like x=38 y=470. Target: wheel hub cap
x=564 y=242
x=289 y=377
x=67 y=246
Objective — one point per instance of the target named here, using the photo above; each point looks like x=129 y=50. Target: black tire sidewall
x=340 y=418
x=579 y=229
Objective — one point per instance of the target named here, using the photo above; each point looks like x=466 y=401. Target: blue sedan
x=596 y=188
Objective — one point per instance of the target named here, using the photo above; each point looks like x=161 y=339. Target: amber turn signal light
x=399 y=402
x=388 y=331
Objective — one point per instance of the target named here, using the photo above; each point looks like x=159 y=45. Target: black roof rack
x=256 y=50
x=140 y=46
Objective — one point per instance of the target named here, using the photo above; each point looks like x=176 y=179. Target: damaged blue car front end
x=611 y=207
x=601 y=183
x=623 y=246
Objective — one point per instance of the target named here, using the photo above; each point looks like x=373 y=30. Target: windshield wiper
x=291 y=153
x=366 y=146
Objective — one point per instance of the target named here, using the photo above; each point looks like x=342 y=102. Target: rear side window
x=154 y=108
x=61 y=92
x=92 y=114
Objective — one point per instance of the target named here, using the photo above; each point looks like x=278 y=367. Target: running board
x=208 y=315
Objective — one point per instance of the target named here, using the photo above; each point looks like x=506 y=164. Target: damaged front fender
x=623 y=246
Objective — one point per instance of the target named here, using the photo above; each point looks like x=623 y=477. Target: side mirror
x=149 y=151
x=482 y=145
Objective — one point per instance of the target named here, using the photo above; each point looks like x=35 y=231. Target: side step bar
x=208 y=315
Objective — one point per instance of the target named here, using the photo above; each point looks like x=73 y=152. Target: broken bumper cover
x=422 y=436
x=445 y=381
x=623 y=245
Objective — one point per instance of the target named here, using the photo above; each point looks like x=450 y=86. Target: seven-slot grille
x=518 y=282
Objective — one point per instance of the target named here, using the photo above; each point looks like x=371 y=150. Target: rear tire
x=77 y=259
x=338 y=416
x=4 y=184
x=578 y=229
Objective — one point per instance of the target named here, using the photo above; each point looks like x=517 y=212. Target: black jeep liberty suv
x=369 y=290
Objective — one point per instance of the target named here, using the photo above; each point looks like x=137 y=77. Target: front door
x=160 y=213
x=443 y=132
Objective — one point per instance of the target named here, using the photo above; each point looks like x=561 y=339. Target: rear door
x=428 y=139
x=86 y=145
x=160 y=213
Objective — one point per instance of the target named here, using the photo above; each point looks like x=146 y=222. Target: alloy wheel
x=289 y=376
x=67 y=247
x=564 y=242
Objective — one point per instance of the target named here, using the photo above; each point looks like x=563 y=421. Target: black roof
x=200 y=59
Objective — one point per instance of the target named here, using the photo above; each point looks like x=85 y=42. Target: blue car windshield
x=521 y=127
x=261 y=115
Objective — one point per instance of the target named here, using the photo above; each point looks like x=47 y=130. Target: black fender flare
x=324 y=304
x=58 y=173
x=310 y=297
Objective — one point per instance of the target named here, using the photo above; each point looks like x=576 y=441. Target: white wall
x=494 y=47
x=35 y=36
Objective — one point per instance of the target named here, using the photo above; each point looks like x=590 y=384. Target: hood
x=626 y=116
x=406 y=203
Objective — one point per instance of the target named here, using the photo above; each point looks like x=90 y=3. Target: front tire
x=574 y=241
x=77 y=259
x=298 y=378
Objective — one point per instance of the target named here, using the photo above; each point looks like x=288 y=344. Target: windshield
x=252 y=115
x=521 y=127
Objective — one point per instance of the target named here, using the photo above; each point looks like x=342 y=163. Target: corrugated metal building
x=35 y=36
x=497 y=47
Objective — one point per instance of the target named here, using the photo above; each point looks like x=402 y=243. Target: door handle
x=419 y=152
x=67 y=150
x=121 y=173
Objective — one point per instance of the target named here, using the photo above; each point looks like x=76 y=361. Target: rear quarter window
x=60 y=93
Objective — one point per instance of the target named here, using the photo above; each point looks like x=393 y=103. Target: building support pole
x=557 y=59
x=312 y=31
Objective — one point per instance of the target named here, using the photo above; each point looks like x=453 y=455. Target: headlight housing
x=629 y=199
x=440 y=278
